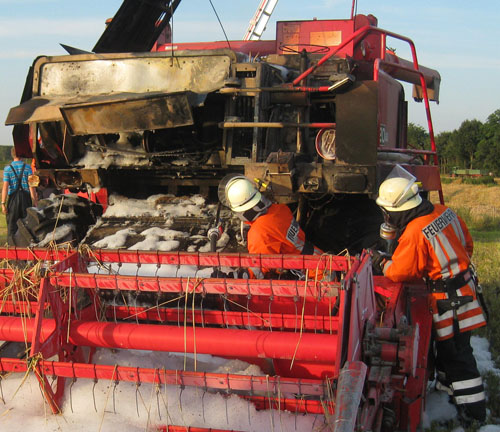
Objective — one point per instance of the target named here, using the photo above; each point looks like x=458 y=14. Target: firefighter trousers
x=458 y=369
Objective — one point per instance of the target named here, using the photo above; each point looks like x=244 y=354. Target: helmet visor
x=399 y=172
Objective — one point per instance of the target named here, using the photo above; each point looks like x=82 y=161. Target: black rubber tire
x=69 y=209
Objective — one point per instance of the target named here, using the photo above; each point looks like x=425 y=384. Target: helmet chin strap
x=251 y=214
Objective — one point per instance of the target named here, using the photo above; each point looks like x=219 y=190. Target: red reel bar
x=259 y=320
x=252 y=287
x=190 y=429
x=292 y=405
x=35 y=254
x=207 y=259
x=319 y=348
x=248 y=383
x=19 y=307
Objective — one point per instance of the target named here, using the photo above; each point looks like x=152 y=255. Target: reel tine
x=70 y=394
x=136 y=399
x=158 y=306
x=203 y=405
x=93 y=393
x=114 y=309
x=248 y=413
x=1 y=390
x=180 y=397
x=114 y=388
x=228 y=391
x=157 y=391
x=137 y=392
x=227 y=414
x=202 y=313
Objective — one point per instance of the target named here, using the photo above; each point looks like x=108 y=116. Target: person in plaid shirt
x=16 y=198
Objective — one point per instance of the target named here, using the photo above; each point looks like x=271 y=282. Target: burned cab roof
x=97 y=93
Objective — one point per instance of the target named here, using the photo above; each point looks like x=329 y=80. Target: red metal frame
x=387 y=60
x=307 y=345
x=281 y=336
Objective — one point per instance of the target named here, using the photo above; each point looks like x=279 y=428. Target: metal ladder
x=259 y=21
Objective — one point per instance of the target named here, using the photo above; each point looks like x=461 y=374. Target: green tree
x=418 y=137
x=488 y=148
x=465 y=141
x=446 y=152
x=5 y=152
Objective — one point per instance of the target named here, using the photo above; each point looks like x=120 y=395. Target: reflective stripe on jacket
x=277 y=232
x=438 y=246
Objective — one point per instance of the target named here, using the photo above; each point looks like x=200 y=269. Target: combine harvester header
x=325 y=347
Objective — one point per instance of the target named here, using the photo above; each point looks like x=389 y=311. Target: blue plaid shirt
x=11 y=178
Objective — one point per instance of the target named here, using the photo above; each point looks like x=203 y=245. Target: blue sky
x=458 y=38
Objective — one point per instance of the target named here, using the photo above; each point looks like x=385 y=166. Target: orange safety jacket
x=438 y=246
x=277 y=232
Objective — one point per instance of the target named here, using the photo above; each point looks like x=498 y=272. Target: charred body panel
x=128 y=114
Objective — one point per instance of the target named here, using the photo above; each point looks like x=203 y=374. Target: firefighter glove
x=242 y=274
x=220 y=274
x=378 y=261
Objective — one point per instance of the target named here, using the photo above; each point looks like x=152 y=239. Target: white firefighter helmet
x=241 y=194
x=399 y=191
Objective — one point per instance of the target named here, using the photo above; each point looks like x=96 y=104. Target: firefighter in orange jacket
x=435 y=244
x=273 y=229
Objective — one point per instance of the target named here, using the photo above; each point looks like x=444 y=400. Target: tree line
x=474 y=145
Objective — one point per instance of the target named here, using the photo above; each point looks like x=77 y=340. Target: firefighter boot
x=469 y=398
x=472 y=414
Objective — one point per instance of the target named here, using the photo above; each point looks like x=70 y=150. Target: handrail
x=361 y=34
x=376 y=70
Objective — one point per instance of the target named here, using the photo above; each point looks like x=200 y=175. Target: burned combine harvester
x=318 y=117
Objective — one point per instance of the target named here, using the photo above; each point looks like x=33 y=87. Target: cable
x=221 y=26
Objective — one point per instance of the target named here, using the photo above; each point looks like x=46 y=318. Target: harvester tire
x=75 y=212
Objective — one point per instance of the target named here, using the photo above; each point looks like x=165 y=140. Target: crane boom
x=136 y=26
x=260 y=19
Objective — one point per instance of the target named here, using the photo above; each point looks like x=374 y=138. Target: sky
x=456 y=37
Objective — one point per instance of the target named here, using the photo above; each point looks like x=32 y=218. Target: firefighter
x=434 y=243
x=273 y=229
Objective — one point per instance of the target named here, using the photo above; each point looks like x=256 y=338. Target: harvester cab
x=318 y=117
